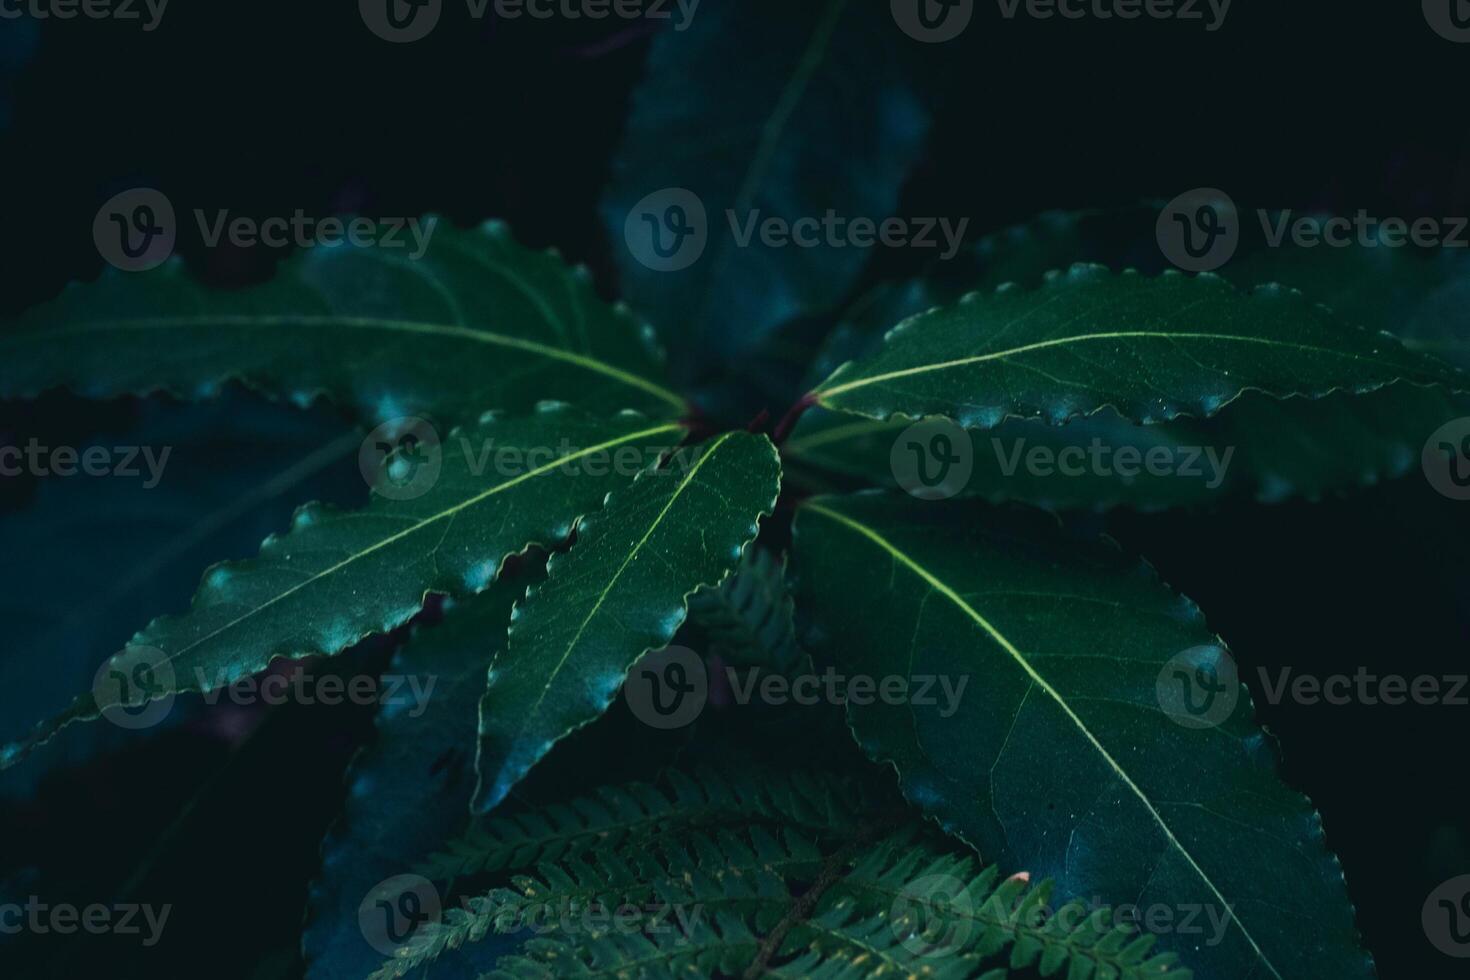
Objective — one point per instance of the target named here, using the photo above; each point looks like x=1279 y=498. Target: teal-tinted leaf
x=234 y=470
x=477 y=323
x=409 y=792
x=622 y=590
x=338 y=576
x=1057 y=758
x=771 y=109
x=1151 y=348
x=1258 y=448
x=1279 y=448
x=747 y=619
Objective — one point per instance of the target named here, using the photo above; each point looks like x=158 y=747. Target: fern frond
x=975 y=913
x=746 y=871
x=723 y=945
x=748 y=618
x=782 y=902
x=849 y=946
x=638 y=811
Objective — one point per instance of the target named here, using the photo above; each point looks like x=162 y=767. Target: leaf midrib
x=825 y=393
x=417 y=527
x=1005 y=644
x=361 y=323
x=613 y=581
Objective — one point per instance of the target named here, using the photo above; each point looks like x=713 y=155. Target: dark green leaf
x=336 y=577
x=97 y=550
x=1058 y=758
x=1151 y=348
x=409 y=791
x=800 y=88
x=622 y=590
x=477 y=323
x=1258 y=447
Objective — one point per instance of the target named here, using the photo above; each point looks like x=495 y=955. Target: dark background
x=263 y=108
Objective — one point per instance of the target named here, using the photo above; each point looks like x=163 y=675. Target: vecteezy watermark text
x=1211 y=13
x=404 y=21
x=1205 y=463
x=395 y=908
x=42 y=918
x=1364 y=687
x=670 y=688
x=1201 y=229
x=939 y=691
x=1364 y=230
x=934 y=915
x=122 y=461
x=934 y=459
x=669 y=230
x=937 y=21
x=299 y=687
x=1200 y=687
x=304 y=231
x=403 y=458
x=137 y=230
x=148 y=12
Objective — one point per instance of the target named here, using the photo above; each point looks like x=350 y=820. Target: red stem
x=788 y=422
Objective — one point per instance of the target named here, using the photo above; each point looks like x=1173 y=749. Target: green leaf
x=477 y=323
x=1256 y=448
x=637 y=813
x=236 y=469
x=622 y=590
x=730 y=869
x=903 y=905
x=409 y=791
x=1058 y=758
x=798 y=87
x=967 y=909
x=338 y=576
x=1153 y=349
x=748 y=618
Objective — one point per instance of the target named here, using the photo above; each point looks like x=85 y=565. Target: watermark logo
x=134 y=689
x=932 y=21
x=135 y=231
x=1446 y=459
x=396 y=908
x=932 y=459
x=1446 y=917
x=402 y=458
x=401 y=21
x=668 y=230
x=1449 y=18
x=668 y=688
x=1199 y=230
x=1199 y=687
x=918 y=922
x=404 y=21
